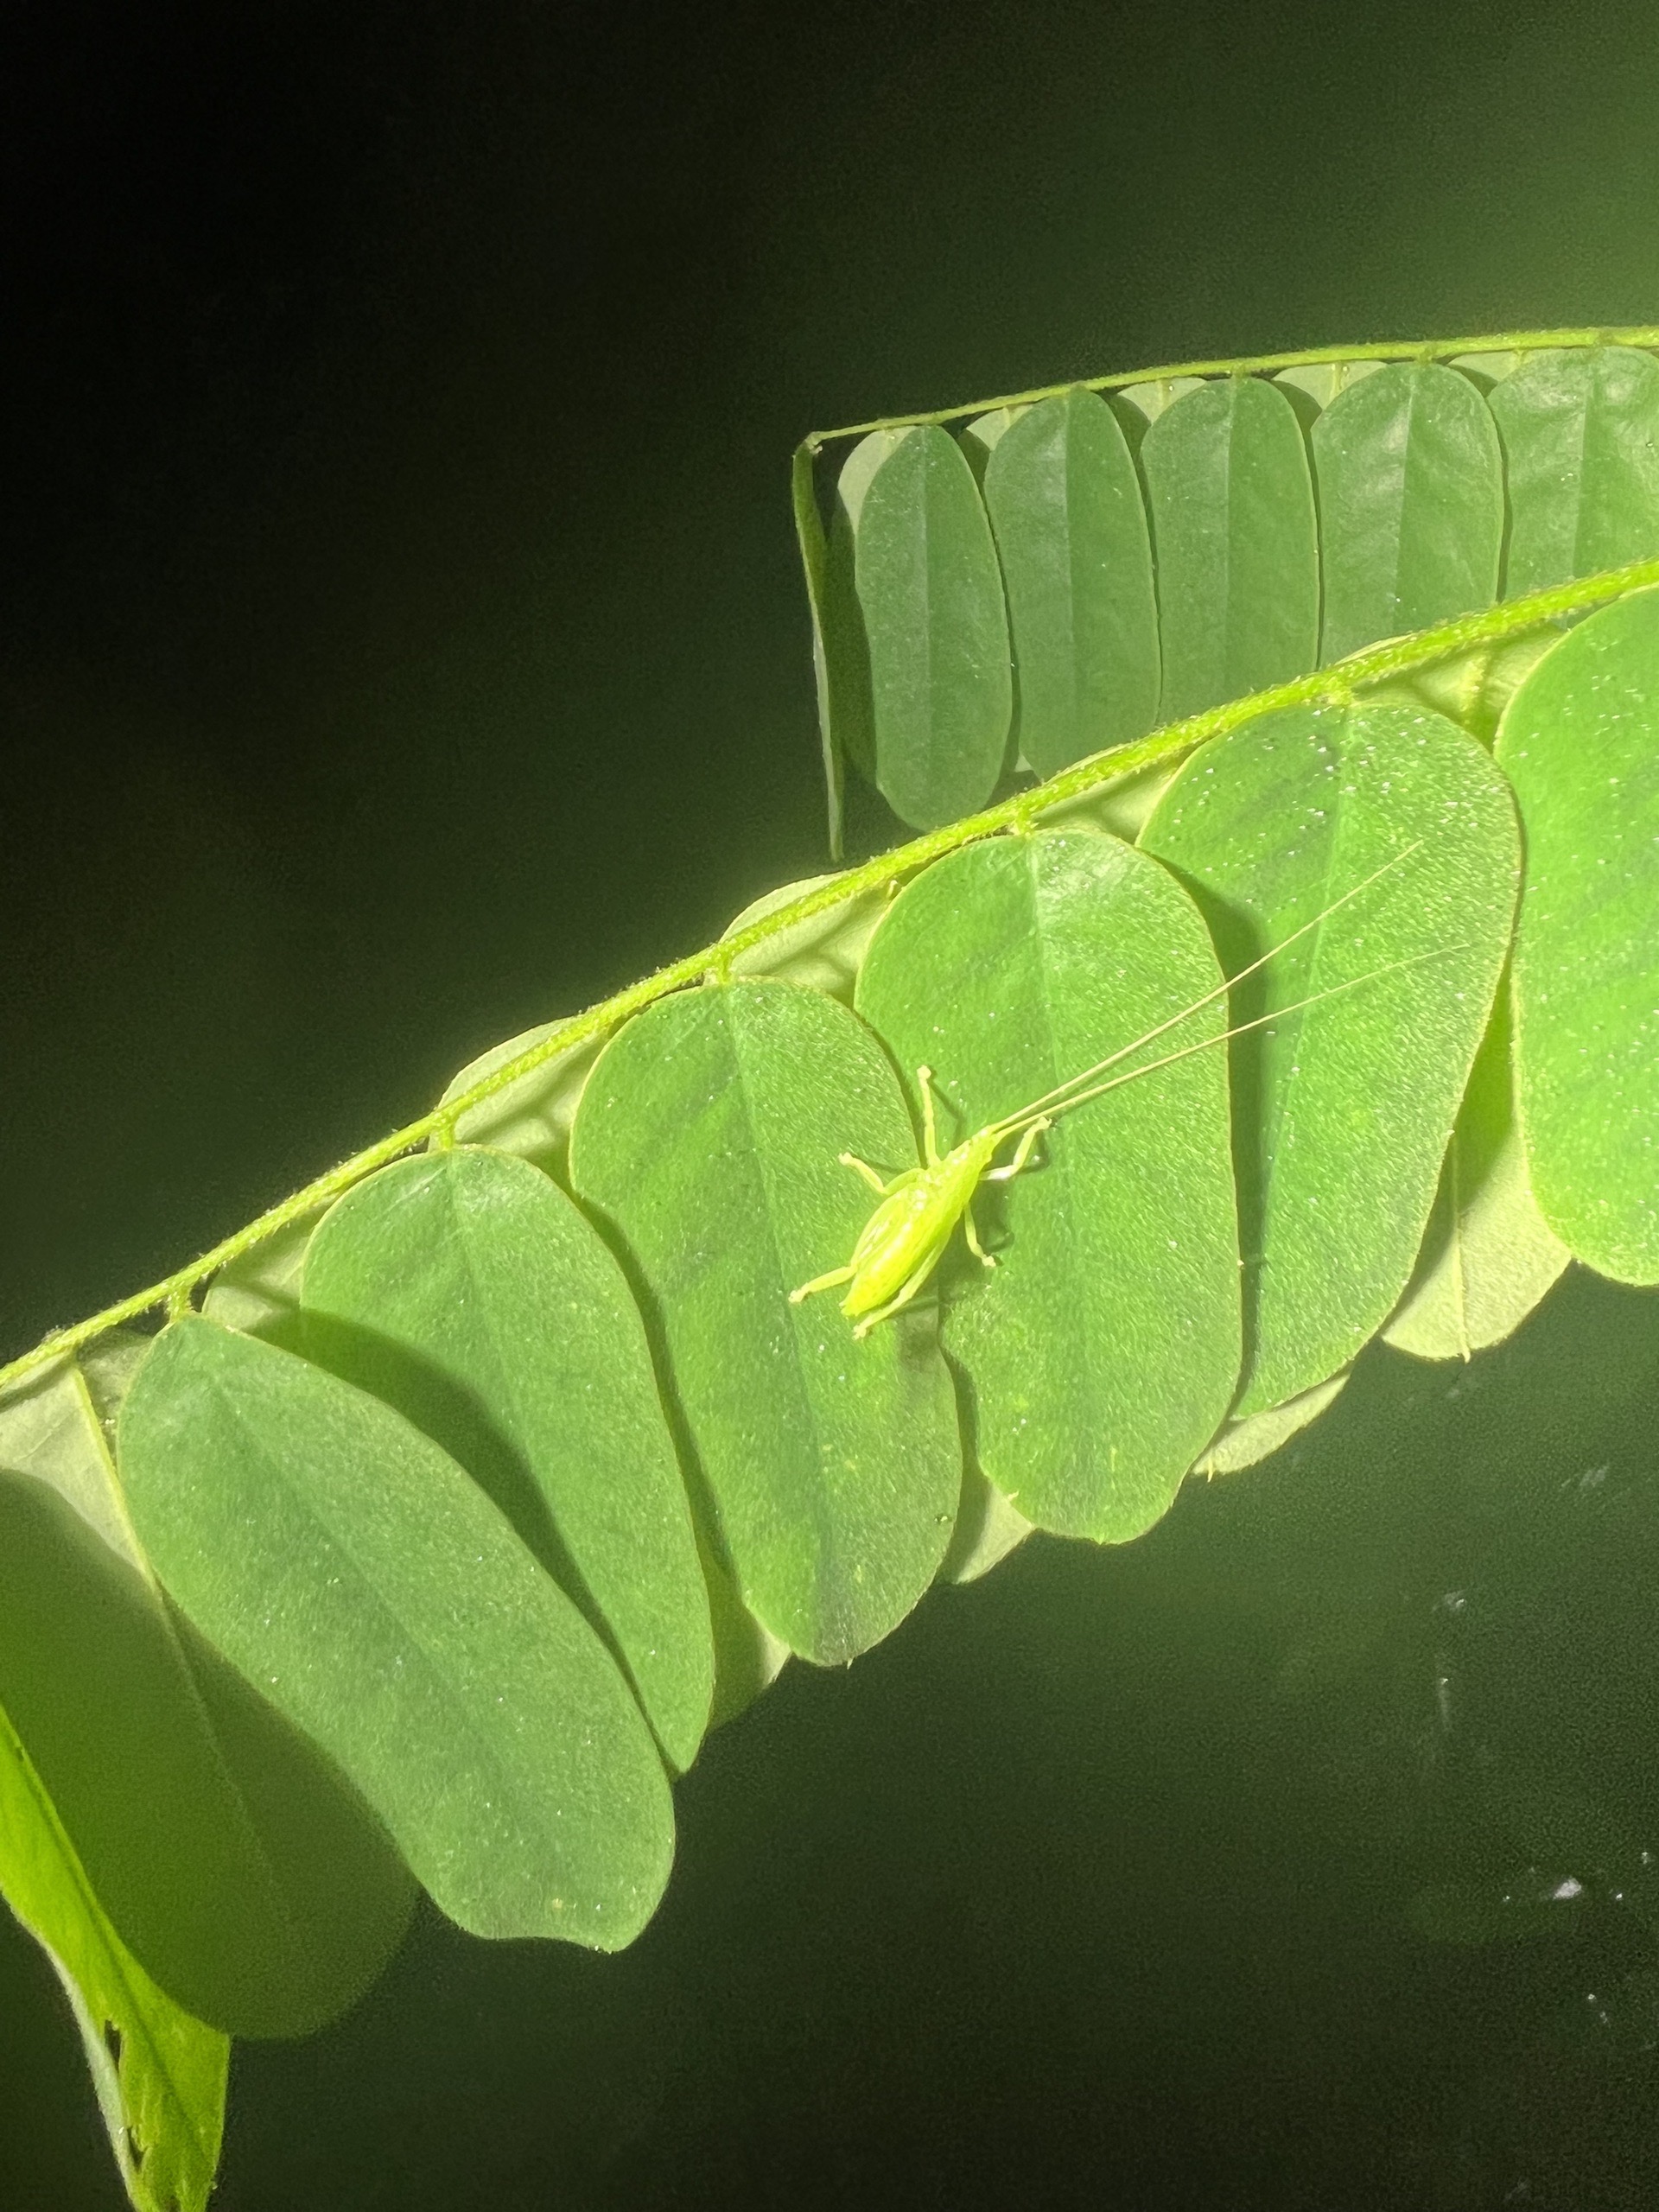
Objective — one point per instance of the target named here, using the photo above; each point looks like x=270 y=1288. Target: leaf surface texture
x=708 y=1133
x=350 y=1570
x=1103 y=1349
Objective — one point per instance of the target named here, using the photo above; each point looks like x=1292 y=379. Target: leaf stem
x=1316 y=357
x=1379 y=663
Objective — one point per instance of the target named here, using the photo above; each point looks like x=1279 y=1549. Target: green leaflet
x=841 y=650
x=1411 y=473
x=464 y=1288
x=259 y=1293
x=1410 y=482
x=1070 y=531
x=1343 y=1111
x=345 y=1565
x=1579 y=742
x=1233 y=527
x=1580 y=433
x=708 y=1133
x=1488 y=1255
x=930 y=594
x=827 y=631
x=1103 y=1350
x=222 y=1848
x=160 y=2075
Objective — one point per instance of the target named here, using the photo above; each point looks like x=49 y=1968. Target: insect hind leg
x=972 y=1234
x=900 y=1299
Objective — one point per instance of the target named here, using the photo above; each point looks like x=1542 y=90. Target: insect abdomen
x=909 y=1231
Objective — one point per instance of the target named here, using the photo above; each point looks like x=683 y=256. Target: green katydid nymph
x=903 y=1240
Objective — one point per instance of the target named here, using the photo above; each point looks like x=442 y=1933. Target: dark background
x=402 y=644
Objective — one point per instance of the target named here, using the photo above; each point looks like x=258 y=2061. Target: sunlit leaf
x=160 y=2075
x=1344 y=1110
x=466 y=1290
x=1233 y=529
x=931 y=597
x=1103 y=1349
x=225 y=1850
x=349 y=1569
x=1580 y=433
x=1410 y=480
x=1488 y=1255
x=1580 y=743
x=708 y=1133
x=1071 y=530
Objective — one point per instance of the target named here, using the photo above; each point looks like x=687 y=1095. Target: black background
x=402 y=644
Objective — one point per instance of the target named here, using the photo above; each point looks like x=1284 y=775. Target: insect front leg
x=1021 y=1154
x=863 y=1167
x=930 y=1127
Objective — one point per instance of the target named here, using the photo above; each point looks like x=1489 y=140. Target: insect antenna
x=1042 y=1111
x=1057 y=1098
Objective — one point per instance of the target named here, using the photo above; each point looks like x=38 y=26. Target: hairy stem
x=1394 y=658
